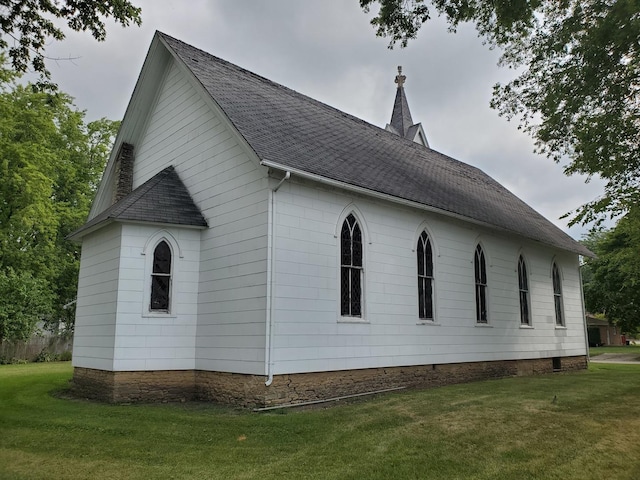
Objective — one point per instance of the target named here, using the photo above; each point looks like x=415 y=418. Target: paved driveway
x=630 y=358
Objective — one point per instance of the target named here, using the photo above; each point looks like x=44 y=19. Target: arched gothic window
x=557 y=294
x=480 y=268
x=523 y=286
x=351 y=274
x=425 y=277
x=161 y=278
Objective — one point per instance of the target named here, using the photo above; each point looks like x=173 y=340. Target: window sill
x=352 y=320
x=428 y=322
x=159 y=315
x=526 y=327
x=483 y=325
x=560 y=327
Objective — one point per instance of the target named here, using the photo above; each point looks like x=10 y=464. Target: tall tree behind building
x=578 y=86
x=612 y=279
x=50 y=164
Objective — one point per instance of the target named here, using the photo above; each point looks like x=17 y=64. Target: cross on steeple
x=400 y=79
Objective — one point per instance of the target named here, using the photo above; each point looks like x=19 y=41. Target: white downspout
x=584 y=313
x=271 y=250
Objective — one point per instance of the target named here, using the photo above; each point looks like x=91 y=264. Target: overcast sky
x=327 y=49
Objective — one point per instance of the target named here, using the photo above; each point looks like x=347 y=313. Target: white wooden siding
x=95 y=325
x=219 y=319
x=311 y=336
x=157 y=341
x=231 y=191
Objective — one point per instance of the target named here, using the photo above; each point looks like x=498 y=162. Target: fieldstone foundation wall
x=251 y=391
x=124 y=387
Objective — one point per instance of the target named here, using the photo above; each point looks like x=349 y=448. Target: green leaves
x=612 y=280
x=398 y=19
x=50 y=166
x=578 y=96
x=27 y=26
x=578 y=93
x=24 y=301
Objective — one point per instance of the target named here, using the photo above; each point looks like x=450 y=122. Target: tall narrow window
x=557 y=294
x=351 y=268
x=523 y=286
x=425 y=277
x=161 y=278
x=480 y=268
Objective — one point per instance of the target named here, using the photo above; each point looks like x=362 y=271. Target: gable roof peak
x=163 y=199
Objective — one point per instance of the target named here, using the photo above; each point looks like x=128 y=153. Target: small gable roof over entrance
x=163 y=199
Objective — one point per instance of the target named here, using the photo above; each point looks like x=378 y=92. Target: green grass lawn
x=499 y=429
x=627 y=349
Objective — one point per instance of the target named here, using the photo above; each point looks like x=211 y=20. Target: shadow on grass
x=583 y=425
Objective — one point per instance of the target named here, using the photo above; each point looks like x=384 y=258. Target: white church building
x=251 y=245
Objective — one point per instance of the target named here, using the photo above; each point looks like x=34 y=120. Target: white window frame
x=484 y=287
x=352 y=209
x=176 y=253
x=352 y=268
x=420 y=277
x=558 y=300
x=526 y=291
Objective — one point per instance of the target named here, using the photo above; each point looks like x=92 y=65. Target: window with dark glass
x=161 y=278
x=351 y=268
x=523 y=286
x=425 y=277
x=480 y=268
x=557 y=294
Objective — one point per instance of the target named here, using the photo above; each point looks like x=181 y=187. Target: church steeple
x=401 y=122
x=401 y=116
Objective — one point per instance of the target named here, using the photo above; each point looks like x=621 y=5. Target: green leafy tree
x=27 y=26
x=24 y=301
x=577 y=92
x=50 y=165
x=612 y=280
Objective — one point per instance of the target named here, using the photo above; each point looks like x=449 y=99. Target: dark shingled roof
x=298 y=132
x=596 y=322
x=161 y=199
x=295 y=131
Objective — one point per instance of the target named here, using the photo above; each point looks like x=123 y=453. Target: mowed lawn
x=620 y=350
x=562 y=426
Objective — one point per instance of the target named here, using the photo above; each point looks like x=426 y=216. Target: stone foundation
x=125 y=387
x=251 y=391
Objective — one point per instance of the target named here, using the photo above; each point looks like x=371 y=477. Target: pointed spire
x=401 y=116
x=401 y=121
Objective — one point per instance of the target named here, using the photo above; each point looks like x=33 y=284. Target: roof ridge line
x=339 y=113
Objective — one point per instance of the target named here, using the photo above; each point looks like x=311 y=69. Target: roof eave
x=83 y=231
x=162 y=224
x=409 y=203
x=79 y=234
